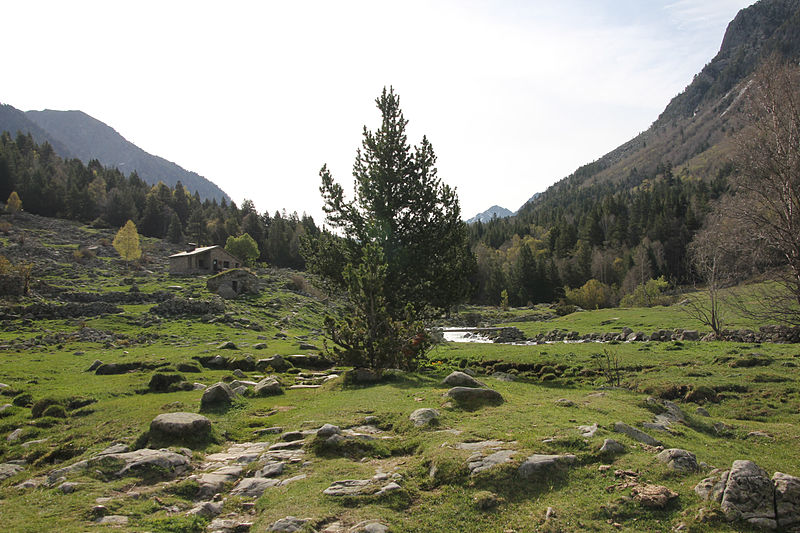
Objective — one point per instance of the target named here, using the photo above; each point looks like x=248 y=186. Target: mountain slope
x=88 y=138
x=13 y=121
x=692 y=132
x=74 y=134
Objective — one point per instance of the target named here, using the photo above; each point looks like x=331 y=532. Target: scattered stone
x=180 y=427
x=478 y=463
x=468 y=395
x=504 y=376
x=253 y=487
x=68 y=487
x=386 y=489
x=587 y=432
x=612 y=447
x=460 y=379
x=237 y=372
x=227 y=345
x=272 y=469
x=199 y=386
x=760 y=434
x=269 y=431
x=713 y=487
x=229 y=525
x=563 y=402
x=7 y=470
x=653 y=496
x=213 y=482
x=424 y=417
x=369 y=526
x=537 y=465
x=268 y=387
x=679 y=460
x=481 y=445
x=749 y=495
x=635 y=434
x=206 y=509
x=216 y=396
x=28 y=484
x=292 y=436
x=94 y=366
x=307 y=346
x=290 y=524
x=14 y=435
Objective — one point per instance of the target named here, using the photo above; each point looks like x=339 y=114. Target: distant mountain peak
x=489 y=214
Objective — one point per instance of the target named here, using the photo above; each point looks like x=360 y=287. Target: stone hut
x=205 y=260
x=233 y=282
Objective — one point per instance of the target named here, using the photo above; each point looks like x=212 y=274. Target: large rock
x=749 y=495
x=787 y=500
x=218 y=395
x=290 y=524
x=469 y=395
x=478 y=463
x=635 y=434
x=268 y=387
x=680 y=460
x=211 y=483
x=713 y=487
x=369 y=526
x=537 y=466
x=351 y=487
x=653 y=496
x=460 y=379
x=253 y=487
x=180 y=428
x=424 y=417
x=611 y=447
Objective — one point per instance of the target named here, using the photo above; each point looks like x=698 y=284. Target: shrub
x=593 y=295
x=55 y=411
x=649 y=294
x=23 y=400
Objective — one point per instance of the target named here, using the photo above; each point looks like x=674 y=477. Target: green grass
x=745 y=397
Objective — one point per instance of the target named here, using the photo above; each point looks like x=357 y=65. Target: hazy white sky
x=257 y=95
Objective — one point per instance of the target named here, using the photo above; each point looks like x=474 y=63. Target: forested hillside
x=105 y=197
x=629 y=216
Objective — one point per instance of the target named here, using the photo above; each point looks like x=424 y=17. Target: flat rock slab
x=162 y=461
x=268 y=387
x=181 y=426
x=679 y=460
x=369 y=526
x=482 y=445
x=468 y=395
x=351 y=487
x=461 y=379
x=424 y=417
x=612 y=447
x=537 y=466
x=587 y=432
x=635 y=434
x=478 y=464
x=213 y=482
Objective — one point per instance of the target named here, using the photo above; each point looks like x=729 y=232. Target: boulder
x=268 y=387
x=350 y=487
x=206 y=509
x=612 y=447
x=424 y=417
x=369 y=526
x=328 y=430
x=587 y=432
x=180 y=427
x=211 y=483
x=254 y=487
x=679 y=460
x=216 y=396
x=749 y=495
x=635 y=434
x=478 y=463
x=468 y=395
x=361 y=376
x=9 y=469
x=537 y=466
x=713 y=487
x=460 y=379
x=787 y=500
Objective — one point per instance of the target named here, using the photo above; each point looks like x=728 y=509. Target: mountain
x=489 y=214
x=13 y=120
x=74 y=134
x=692 y=133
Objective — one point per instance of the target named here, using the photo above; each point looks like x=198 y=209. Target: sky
x=257 y=95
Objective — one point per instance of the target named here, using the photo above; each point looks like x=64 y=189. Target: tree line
x=105 y=197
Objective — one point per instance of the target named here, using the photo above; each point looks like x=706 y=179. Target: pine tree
x=126 y=242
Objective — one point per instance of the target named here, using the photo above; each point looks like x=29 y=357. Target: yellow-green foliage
x=650 y=294
x=14 y=204
x=593 y=295
x=126 y=242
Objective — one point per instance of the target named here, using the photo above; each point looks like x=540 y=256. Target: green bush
x=649 y=294
x=593 y=295
x=55 y=411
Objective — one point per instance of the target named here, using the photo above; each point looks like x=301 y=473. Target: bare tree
x=766 y=187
